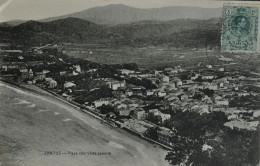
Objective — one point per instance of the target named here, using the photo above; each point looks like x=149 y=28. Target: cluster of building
x=37 y=71
x=201 y=89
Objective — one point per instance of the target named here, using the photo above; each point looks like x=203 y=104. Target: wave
x=22 y=101
x=116 y=145
x=96 y=128
x=43 y=110
x=67 y=119
x=56 y=113
x=31 y=106
x=115 y=137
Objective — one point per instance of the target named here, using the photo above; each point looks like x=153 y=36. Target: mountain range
x=177 y=33
x=122 y=25
x=12 y=23
x=122 y=14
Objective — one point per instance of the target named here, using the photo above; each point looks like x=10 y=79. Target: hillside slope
x=122 y=14
x=177 y=33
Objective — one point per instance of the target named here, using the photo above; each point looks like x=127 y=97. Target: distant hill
x=122 y=14
x=148 y=29
x=11 y=23
x=63 y=30
x=177 y=33
x=62 y=27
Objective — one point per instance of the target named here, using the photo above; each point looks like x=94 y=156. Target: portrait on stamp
x=241 y=25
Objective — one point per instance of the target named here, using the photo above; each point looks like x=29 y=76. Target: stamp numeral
x=228 y=12
x=253 y=13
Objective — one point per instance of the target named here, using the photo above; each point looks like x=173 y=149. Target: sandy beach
x=40 y=130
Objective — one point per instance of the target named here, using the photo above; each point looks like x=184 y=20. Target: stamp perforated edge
x=237 y=3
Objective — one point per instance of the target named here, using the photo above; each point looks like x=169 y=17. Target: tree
x=229 y=147
x=153 y=133
x=198 y=96
x=208 y=92
x=154 y=119
x=148 y=84
x=97 y=94
x=130 y=66
x=104 y=109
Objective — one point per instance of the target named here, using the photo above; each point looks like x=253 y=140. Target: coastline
x=48 y=93
x=63 y=128
x=126 y=132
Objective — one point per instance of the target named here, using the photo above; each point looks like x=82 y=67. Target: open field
x=146 y=57
x=153 y=57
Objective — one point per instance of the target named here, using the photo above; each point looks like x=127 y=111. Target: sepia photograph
x=129 y=83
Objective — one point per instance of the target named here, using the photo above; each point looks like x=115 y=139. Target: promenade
x=33 y=124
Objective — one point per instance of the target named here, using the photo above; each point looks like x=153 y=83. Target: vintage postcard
x=129 y=83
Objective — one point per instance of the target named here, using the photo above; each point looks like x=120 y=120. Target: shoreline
x=81 y=134
x=88 y=113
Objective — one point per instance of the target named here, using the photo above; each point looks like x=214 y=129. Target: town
x=174 y=107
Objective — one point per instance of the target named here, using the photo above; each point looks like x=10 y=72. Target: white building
x=221 y=85
x=139 y=113
x=124 y=112
x=77 y=68
x=45 y=71
x=116 y=84
x=201 y=109
x=161 y=94
x=213 y=86
x=222 y=102
x=69 y=85
x=195 y=77
x=75 y=73
x=242 y=124
x=149 y=92
x=23 y=70
x=20 y=57
x=154 y=112
x=209 y=66
x=99 y=103
x=174 y=71
x=165 y=116
x=63 y=73
x=40 y=76
x=51 y=83
x=126 y=72
x=207 y=77
x=178 y=83
x=128 y=92
x=165 y=79
x=157 y=73
x=233 y=116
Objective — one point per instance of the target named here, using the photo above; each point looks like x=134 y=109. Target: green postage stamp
x=240 y=28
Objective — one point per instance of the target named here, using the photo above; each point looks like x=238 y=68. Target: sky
x=38 y=9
